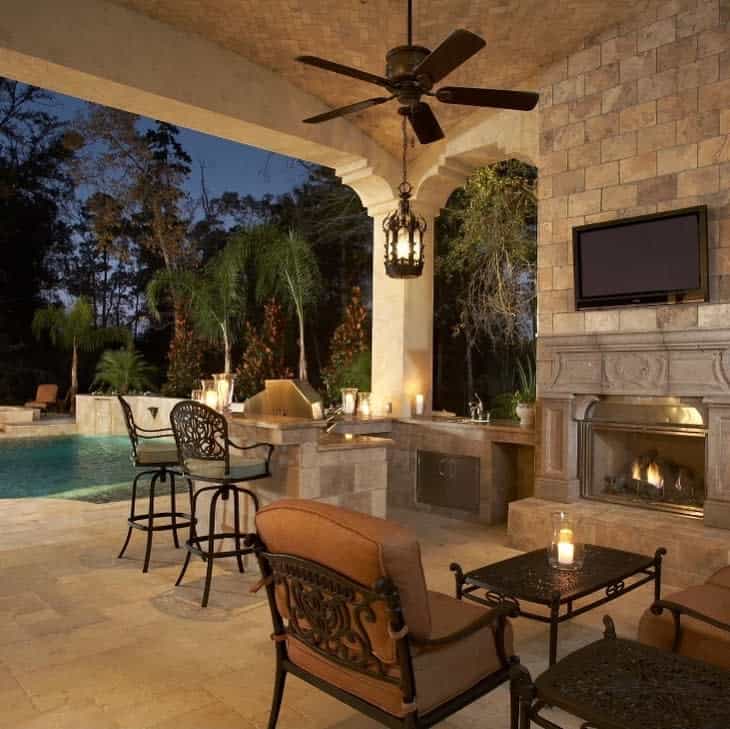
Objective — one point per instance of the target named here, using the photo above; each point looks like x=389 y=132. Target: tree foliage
x=349 y=341
x=263 y=356
x=491 y=256
x=215 y=295
x=287 y=269
x=74 y=329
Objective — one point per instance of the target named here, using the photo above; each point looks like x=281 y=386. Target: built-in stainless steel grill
x=289 y=398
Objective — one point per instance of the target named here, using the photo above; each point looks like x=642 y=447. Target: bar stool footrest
x=141 y=521
x=194 y=545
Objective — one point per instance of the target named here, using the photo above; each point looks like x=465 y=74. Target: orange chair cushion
x=358 y=546
x=440 y=673
x=698 y=640
x=47 y=394
x=721 y=578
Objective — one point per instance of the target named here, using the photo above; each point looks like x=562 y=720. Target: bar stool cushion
x=156 y=454
x=241 y=468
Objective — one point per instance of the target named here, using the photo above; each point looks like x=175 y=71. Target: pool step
x=39 y=428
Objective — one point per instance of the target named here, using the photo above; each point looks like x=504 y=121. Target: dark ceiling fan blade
x=497 y=98
x=344 y=70
x=457 y=48
x=424 y=123
x=351 y=109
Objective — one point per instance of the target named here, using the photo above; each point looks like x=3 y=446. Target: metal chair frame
x=202 y=433
x=328 y=612
x=158 y=472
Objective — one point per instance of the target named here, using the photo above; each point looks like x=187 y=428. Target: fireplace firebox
x=644 y=452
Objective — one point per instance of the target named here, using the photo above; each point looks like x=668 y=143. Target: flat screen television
x=651 y=259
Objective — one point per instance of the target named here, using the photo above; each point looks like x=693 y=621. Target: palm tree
x=287 y=269
x=74 y=329
x=216 y=295
x=124 y=370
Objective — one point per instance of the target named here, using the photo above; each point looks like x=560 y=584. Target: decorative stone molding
x=690 y=363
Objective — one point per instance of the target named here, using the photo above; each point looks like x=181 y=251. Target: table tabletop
x=621 y=684
x=530 y=577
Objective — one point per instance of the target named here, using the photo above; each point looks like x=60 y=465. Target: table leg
x=554 y=616
x=458 y=579
x=658 y=555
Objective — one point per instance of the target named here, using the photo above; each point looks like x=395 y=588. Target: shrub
x=124 y=370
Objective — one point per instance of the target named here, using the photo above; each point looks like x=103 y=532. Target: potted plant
x=527 y=394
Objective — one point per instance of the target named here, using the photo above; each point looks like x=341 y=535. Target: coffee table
x=621 y=684
x=529 y=578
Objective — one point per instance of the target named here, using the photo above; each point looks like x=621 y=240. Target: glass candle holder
x=566 y=552
x=349 y=400
x=224 y=388
x=197 y=395
x=210 y=393
x=420 y=400
x=364 y=407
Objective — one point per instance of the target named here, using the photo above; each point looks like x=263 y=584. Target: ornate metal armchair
x=352 y=617
x=694 y=622
x=204 y=453
x=159 y=459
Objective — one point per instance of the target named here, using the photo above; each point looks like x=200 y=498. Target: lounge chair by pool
x=46 y=397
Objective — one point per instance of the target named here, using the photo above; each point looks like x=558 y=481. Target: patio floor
x=87 y=641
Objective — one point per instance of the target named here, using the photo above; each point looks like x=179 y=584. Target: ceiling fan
x=411 y=72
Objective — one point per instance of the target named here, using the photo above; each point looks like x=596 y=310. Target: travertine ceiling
x=521 y=35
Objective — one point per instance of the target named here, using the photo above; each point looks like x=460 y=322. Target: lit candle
x=419 y=404
x=211 y=398
x=349 y=403
x=348 y=436
x=365 y=408
x=566 y=553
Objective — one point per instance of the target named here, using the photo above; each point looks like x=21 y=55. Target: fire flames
x=653 y=474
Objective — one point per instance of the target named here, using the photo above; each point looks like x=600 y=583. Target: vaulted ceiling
x=522 y=36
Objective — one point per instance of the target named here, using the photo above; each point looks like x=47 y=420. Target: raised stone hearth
x=694 y=551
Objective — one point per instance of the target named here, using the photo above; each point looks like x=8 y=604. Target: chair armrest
x=268 y=446
x=677 y=610
x=141 y=430
x=495 y=617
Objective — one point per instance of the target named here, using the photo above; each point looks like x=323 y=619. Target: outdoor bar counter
x=344 y=469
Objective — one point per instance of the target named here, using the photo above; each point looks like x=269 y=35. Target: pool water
x=72 y=466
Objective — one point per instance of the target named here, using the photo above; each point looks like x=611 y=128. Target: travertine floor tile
x=88 y=641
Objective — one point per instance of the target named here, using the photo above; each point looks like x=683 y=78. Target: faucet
x=476 y=408
x=332 y=420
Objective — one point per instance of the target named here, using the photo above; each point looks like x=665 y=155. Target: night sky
x=229 y=166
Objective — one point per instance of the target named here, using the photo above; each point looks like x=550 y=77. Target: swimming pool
x=75 y=466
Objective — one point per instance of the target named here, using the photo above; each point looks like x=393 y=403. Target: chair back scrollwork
x=332 y=615
x=200 y=432
x=131 y=425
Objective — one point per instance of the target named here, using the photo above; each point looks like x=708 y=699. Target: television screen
x=651 y=259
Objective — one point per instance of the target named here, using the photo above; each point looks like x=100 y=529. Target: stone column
x=402 y=350
x=557 y=452
x=717 y=471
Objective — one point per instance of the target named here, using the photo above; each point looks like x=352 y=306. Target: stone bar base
x=344 y=470
x=694 y=551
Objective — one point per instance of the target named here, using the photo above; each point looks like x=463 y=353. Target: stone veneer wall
x=635 y=122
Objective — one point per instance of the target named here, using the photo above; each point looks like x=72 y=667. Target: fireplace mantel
x=691 y=363
x=575 y=369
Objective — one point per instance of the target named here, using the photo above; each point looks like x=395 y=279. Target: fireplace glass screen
x=656 y=467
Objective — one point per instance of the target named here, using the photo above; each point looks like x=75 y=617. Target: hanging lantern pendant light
x=404 y=230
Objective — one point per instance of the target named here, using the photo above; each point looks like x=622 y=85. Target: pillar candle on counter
x=419 y=404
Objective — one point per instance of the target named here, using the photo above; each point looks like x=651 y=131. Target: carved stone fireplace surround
x=574 y=369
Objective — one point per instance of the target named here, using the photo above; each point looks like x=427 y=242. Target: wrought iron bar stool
x=204 y=453
x=158 y=459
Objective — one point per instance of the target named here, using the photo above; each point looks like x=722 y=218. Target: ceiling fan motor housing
x=400 y=62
